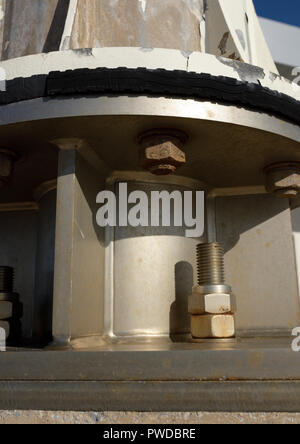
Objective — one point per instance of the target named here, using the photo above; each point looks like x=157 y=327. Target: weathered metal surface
x=133 y=283
x=251 y=359
x=250 y=396
x=155 y=270
x=260 y=262
x=226 y=161
x=79 y=250
x=213 y=164
x=43 y=299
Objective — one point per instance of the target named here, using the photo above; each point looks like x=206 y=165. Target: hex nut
x=283 y=179
x=10 y=297
x=216 y=303
x=6 y=310
x=162 y=150
x=213 y=326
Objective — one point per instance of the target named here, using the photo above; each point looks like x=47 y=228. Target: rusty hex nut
x=213 y=303
x=213 y=326
x=283 y=179
x=161 y=150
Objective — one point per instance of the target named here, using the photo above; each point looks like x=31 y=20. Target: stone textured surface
x=39 y=417
x=26 y=27
x=147 y=23
x=33 y=26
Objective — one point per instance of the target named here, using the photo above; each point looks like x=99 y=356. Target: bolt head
x=162 y=151
x=283 y=179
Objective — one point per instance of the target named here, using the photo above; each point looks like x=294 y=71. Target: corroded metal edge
x=267 y=396
x=241 y=360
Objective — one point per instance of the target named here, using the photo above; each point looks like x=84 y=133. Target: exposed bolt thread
x=210 y=261
x=6 y=279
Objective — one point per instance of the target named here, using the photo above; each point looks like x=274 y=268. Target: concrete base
x=161 y=418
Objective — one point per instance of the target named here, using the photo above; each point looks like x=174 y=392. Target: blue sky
x=287 y=11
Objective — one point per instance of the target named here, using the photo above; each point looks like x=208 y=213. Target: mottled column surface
x=142 y=23
x=34 y=26
x=25 y=26
x=30 y=27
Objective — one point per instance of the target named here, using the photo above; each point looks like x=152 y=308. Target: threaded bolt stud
x=210 y=261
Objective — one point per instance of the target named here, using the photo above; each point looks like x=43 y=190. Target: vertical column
x=45 y=195
x=79 y=246
x=64 y=245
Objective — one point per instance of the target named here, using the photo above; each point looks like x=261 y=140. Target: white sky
x=283 y=41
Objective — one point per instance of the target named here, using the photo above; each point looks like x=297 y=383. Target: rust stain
x=223 y=43
x=233 y=56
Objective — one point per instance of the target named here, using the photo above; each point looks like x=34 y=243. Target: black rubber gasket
x=24 y=88
x=158 y=82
